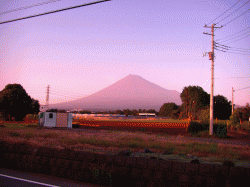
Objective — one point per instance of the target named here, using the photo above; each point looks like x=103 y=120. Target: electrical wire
x=236 y=18
x=242 y=88
x=230 y=48
x=51 y=12
x=234 y=78
x=233 y=12
x=59 y=90
x=234 y=33
x=239 y=39
x=30 y=6
x=235 y=37
x=223 y=13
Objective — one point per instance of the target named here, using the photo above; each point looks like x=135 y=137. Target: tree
x=16 y=103
x=52 y=110
x=222 y=108
x=204 y=115
x=175 y=113
x=194 y=99
x=167 y=109
x=35 y=106
x=240 y=114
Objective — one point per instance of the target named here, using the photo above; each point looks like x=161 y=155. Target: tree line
x=15 y=104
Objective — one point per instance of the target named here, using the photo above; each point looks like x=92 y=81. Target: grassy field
x=110 y=141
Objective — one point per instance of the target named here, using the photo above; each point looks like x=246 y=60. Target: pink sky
x=81 y=51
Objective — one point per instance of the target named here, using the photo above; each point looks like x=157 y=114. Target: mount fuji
x=131 y=92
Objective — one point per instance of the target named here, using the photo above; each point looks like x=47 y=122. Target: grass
x=19 y=125
x=117 y=140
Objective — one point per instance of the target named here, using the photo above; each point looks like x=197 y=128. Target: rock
x=152 y=157
x=195 y=161
x=146 y=150
x=167 y=153
x=124 y=153
x=228 y=163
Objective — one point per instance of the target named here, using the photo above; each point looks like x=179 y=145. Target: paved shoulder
x=13 y=178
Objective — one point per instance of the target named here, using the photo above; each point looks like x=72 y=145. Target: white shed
x=53 y=119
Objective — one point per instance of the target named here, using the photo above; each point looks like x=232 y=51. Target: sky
x=81 y=51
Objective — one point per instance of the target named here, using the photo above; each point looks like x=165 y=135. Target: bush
x=245 y=126
x=220 y=130
x=32 y=116
x=196 y=127
x=204 y=115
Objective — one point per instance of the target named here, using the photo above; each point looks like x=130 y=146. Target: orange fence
x=149 y=126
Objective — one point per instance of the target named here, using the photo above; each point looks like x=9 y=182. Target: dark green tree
x=16 y=103
x=194 y=99
x=151 y=111
x=52 y=110
x=240 y=114
x=135 y=112
x=175 y=113
x=35 y=106
x=222 y=107
x=167 y=109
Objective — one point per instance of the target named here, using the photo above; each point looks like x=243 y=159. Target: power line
x=234 y=78
x=242 y=88
x=230 y=48
x=68 y=92
x=60 y=10
x=235 y=37
x=239 y=39
x=30 y=6
x=223 y=13
x=234 y=33
x=236 y=18
x=233 y=12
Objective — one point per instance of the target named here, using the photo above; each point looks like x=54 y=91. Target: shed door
x=61 y=120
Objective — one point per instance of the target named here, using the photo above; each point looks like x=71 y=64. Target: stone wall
x=114 y=170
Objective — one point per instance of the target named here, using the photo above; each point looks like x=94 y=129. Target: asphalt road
x=14 y=178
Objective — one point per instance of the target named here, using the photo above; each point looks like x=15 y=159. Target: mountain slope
x=131 y=92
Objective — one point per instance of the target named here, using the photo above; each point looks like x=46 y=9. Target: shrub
x=245 y=126
x=196 y=127
x=14 y=134
x=204 y=115
x=220 y=130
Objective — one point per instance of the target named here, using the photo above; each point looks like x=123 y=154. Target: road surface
x=14 y=178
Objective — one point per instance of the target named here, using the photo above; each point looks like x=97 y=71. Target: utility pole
x=47 y=98
x=211 y=57
x=232 y=100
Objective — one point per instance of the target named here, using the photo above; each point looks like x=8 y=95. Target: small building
x=53 y=119
x=148 y=114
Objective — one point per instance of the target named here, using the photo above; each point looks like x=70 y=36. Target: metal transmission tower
x=211 y=57
x=47 y=98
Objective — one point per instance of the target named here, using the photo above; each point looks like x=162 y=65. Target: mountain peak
x=133 y=92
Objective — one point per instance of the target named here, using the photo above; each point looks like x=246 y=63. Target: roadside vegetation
x=110 y=141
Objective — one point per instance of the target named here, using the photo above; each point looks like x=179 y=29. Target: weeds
x=29 y=135
x=169 y=145
x=14 y=134
x=49 y=135
x=213 y=147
